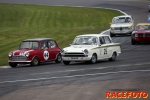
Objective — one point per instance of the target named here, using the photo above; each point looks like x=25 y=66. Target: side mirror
x=99 y=44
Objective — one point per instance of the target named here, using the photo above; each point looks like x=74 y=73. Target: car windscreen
x=121 y=20
x=29 y=45
x=85 y=40
x=143 y=27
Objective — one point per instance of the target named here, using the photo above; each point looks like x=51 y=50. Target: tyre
x=113 y=57
x=35 y=61
x=133 y=42
x=13 y=65
x=66 y=62
x=58 y=59
x=111 y=35
x=93 y=59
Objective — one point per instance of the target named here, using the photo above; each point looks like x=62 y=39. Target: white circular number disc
x=46 y=55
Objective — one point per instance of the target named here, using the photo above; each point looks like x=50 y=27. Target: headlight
x=27 y=54
x=10 y=54
x=86 y=51
x=112 y=28
x=130 y=27
x=62 y=52
x=136 y=35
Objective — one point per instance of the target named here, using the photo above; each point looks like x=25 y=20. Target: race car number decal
x=46 y=55
x=105 y=51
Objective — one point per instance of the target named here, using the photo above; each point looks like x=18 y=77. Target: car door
x=103 y=47
x=109 y=46
x=44 y=51
x=52 y=49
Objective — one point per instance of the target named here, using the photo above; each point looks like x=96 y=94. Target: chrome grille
x=74 y=55
x=143 y=35
x=121 y=28
x=19 y=58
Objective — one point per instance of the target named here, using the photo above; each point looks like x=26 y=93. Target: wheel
x=111 y=35
x=13 y=65
x=66 y=62
x=35 y=62
x=133 y=42
x=113 y=57
x=58 y=59
x=93 y=59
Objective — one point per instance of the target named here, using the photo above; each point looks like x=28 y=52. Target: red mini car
x=34 y=51
x=141 y=33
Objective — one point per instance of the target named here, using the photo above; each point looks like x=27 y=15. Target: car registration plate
x=74 y=57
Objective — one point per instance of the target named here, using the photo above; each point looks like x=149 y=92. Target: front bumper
x=76 y=58
x=19 y=61
x=121 y=31
x=142 y=39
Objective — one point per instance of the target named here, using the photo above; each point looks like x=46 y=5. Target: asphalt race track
x=82 y=81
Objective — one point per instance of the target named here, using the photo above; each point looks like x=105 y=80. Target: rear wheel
x=35 y=62
x=93 y=59
x=66 y=62
x=113 y=57
x=58 y=59
x=13 y=65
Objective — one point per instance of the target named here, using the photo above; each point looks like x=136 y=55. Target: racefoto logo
x=127 y=94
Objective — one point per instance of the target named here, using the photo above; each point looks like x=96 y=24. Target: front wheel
x=13 y=65
x=66 y=62
x=133 y=42
x=113 y=57
x=93 y=59
x=58 y=59
x=35 y=62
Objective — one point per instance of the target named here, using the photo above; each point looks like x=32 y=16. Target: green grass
x=19 y=22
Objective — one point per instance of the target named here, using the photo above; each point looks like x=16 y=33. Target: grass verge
x=19 y=22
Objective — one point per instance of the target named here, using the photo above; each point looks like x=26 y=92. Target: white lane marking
x=138 y=64
x=5 y=67
x=38 y=79
x=103 y=32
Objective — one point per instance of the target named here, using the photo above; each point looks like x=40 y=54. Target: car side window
x=52 y=44
x=44 y=45
x=107 y=40
x=101 y=39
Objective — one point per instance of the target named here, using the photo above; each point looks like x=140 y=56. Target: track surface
x=81 y=81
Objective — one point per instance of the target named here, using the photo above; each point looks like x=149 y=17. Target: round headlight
x=27 y=54
x=62 y=51
x=86 y=51
x=10 y=54
x=136 y=35
x=112 y=28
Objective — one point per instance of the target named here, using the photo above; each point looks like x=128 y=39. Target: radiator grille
x=19 y=58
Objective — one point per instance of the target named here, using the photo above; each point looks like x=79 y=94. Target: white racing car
x=91 y=47
x=121 y=25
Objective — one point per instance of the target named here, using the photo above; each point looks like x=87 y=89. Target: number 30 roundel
x=46 y=55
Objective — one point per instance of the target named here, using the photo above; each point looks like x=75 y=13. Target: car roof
x=123 y=16
x=96 y=35
x=38 y=39
x=143 y=24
